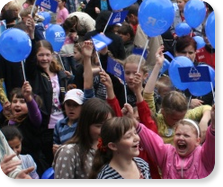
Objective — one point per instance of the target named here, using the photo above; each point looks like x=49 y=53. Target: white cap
x=76 y=95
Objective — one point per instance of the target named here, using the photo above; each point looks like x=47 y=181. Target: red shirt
x=203 y=55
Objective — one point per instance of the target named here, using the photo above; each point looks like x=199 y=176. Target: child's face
x=129 y=144
x=171 y=118
x=16 y=145
x=77 y=54
x=185 y=139
x=95 y=130
x=130 y=71
x=18 y=106
x=72 y=110
x=44 y=58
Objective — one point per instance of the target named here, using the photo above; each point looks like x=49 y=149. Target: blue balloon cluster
x=56 y=35
x=15 y=45
x=155 y=16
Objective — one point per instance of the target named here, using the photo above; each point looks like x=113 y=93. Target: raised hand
x=8 y=164
x=27 y=91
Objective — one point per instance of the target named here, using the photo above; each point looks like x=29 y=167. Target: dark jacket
x=90 y=7
x=41 y=84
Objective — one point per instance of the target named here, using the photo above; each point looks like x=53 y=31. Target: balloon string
x=34 y=5
x=147 y=41
x=61 y=62
x=23 y=69
x=107 y=22
x=212 y=91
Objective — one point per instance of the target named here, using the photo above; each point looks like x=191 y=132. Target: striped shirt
x=108 y=172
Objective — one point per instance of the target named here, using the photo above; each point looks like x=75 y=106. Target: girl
x=174 y=106
x=14 y=138
x=62 y=12
x=118 y=148
x=179 y=18
x=49 y=82
x=187 y=159
x=10 y=163
x=27 y=117
x=80 y=150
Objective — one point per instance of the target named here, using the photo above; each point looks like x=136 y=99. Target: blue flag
x=48 y=4
x=100 y=41
x=194 y=74
x=117 y=17
x=116 y=69
x=139 y=51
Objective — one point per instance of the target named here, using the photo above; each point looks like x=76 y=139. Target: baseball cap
x=76 y=95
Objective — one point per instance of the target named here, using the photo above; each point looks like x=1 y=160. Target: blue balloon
x=180 y=61
x=165 y=66
x=200 y=41
x=48 y=174
x=55 y=34
x=210 y=29
x=47 y=17
x=194 y=12
x=203 y=88
x=182 y=29
x=155 y=16
x=120 y=4
x=15 y=45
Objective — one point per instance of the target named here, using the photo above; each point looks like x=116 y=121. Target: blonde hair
x=164 y=82
x=133 y=58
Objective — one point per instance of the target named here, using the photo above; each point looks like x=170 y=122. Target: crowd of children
x=83 y=121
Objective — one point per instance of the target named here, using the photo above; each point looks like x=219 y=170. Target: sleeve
x=197 y=113
x=145 y=116
x=153 y=143
x=34 y=113
x=114 y=103
x=56 y=138
x=208 y=151
x=149 y=98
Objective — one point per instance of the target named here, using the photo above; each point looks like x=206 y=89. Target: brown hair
x=54 y=66
x=174 y=101
x=183 y=42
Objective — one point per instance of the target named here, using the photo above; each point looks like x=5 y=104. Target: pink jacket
x=199 y=164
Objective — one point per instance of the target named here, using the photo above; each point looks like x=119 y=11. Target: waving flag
x=100 y=41
x=117 y=17
x=48 y=4
x=194 y=74
x=116 y=69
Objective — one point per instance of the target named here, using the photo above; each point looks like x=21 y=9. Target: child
x=174 y=106
x=14 y=138
x=27 y=117
x=10 y=163
x=74 y=99
x=80 y=150
x=187 y=159
x=65 y=128
x=118 y=148
x=62 y=12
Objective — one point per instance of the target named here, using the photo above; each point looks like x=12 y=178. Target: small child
x=14 y=138
x=62 y=12
x=118 y=150
x=65 y=128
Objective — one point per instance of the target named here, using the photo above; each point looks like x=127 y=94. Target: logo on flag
x=100 y=41
x=115 y=69
x=194 y=74
x=48 y=4
x=117 y=17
